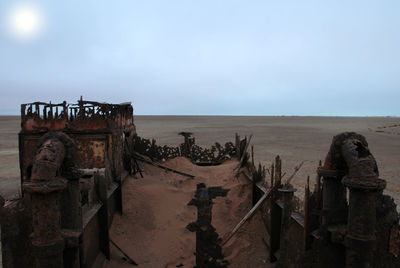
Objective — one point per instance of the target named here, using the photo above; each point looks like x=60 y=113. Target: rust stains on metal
x=44 y=187
x=350 y=163
x=83 y=116
x=91 y=151
x=96 y=128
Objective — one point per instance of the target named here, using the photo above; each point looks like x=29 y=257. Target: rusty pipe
x=349 y=157
x=358 y=158
x=334 y=204
x=363 y=181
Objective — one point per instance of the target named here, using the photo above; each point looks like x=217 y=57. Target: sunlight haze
x=204 y=57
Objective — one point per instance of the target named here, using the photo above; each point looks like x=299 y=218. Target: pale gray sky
x=210 y=57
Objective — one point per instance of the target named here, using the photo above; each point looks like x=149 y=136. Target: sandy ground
x=295 y=139
x=9 y=161
x=153 y=229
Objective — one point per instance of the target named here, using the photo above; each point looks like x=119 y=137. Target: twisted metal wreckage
x=75 y=158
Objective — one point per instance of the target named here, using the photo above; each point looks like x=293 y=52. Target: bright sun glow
x=25 y=22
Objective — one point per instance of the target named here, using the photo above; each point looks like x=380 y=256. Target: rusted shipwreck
x=72 y=168
x=75 y=158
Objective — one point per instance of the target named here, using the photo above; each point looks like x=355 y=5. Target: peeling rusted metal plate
x=83 y=116
x=38 y=124
x=91 y=150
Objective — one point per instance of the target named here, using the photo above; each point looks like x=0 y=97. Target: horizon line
x=227 y=115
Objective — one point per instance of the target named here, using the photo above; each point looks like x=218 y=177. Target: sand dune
x=153 y=229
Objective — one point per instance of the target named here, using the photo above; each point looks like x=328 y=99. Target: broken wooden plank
x=258 y=204
x=248 y=215
x=244 y=154
x=296 y=168
x=129 y=259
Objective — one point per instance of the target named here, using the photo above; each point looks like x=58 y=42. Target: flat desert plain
x=294 y=138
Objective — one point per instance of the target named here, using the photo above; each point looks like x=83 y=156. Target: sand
x=295 y=139
x=152 y=231
x=9 y=158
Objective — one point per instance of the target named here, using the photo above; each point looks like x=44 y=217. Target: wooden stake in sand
x=258 y=204
x=248 y=215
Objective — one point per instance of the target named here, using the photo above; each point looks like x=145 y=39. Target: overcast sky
x=216 y=57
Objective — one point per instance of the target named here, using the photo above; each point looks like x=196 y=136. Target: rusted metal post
x=208 y=250
x=334 y=205
x=361 y=223
x=71 y=217
x=44 y=187
x=287 y=192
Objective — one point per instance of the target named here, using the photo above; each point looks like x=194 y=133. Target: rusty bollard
x=364 y=186
x=361 y=223
x=44 y=188
x=208 y=249
x=334 y=205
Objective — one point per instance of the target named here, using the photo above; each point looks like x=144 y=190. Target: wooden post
x=287 y=193
x=307 y=215
x=252 y=155
x=272 y=175
x=275 y=232
x=278 y=170
x=242 y=152
x=318 y=186
x=153 y=150
x=237 y=145
x=208 y=247
x=71 y=216
x=264 y=176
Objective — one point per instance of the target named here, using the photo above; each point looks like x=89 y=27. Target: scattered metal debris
x=216 y=155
